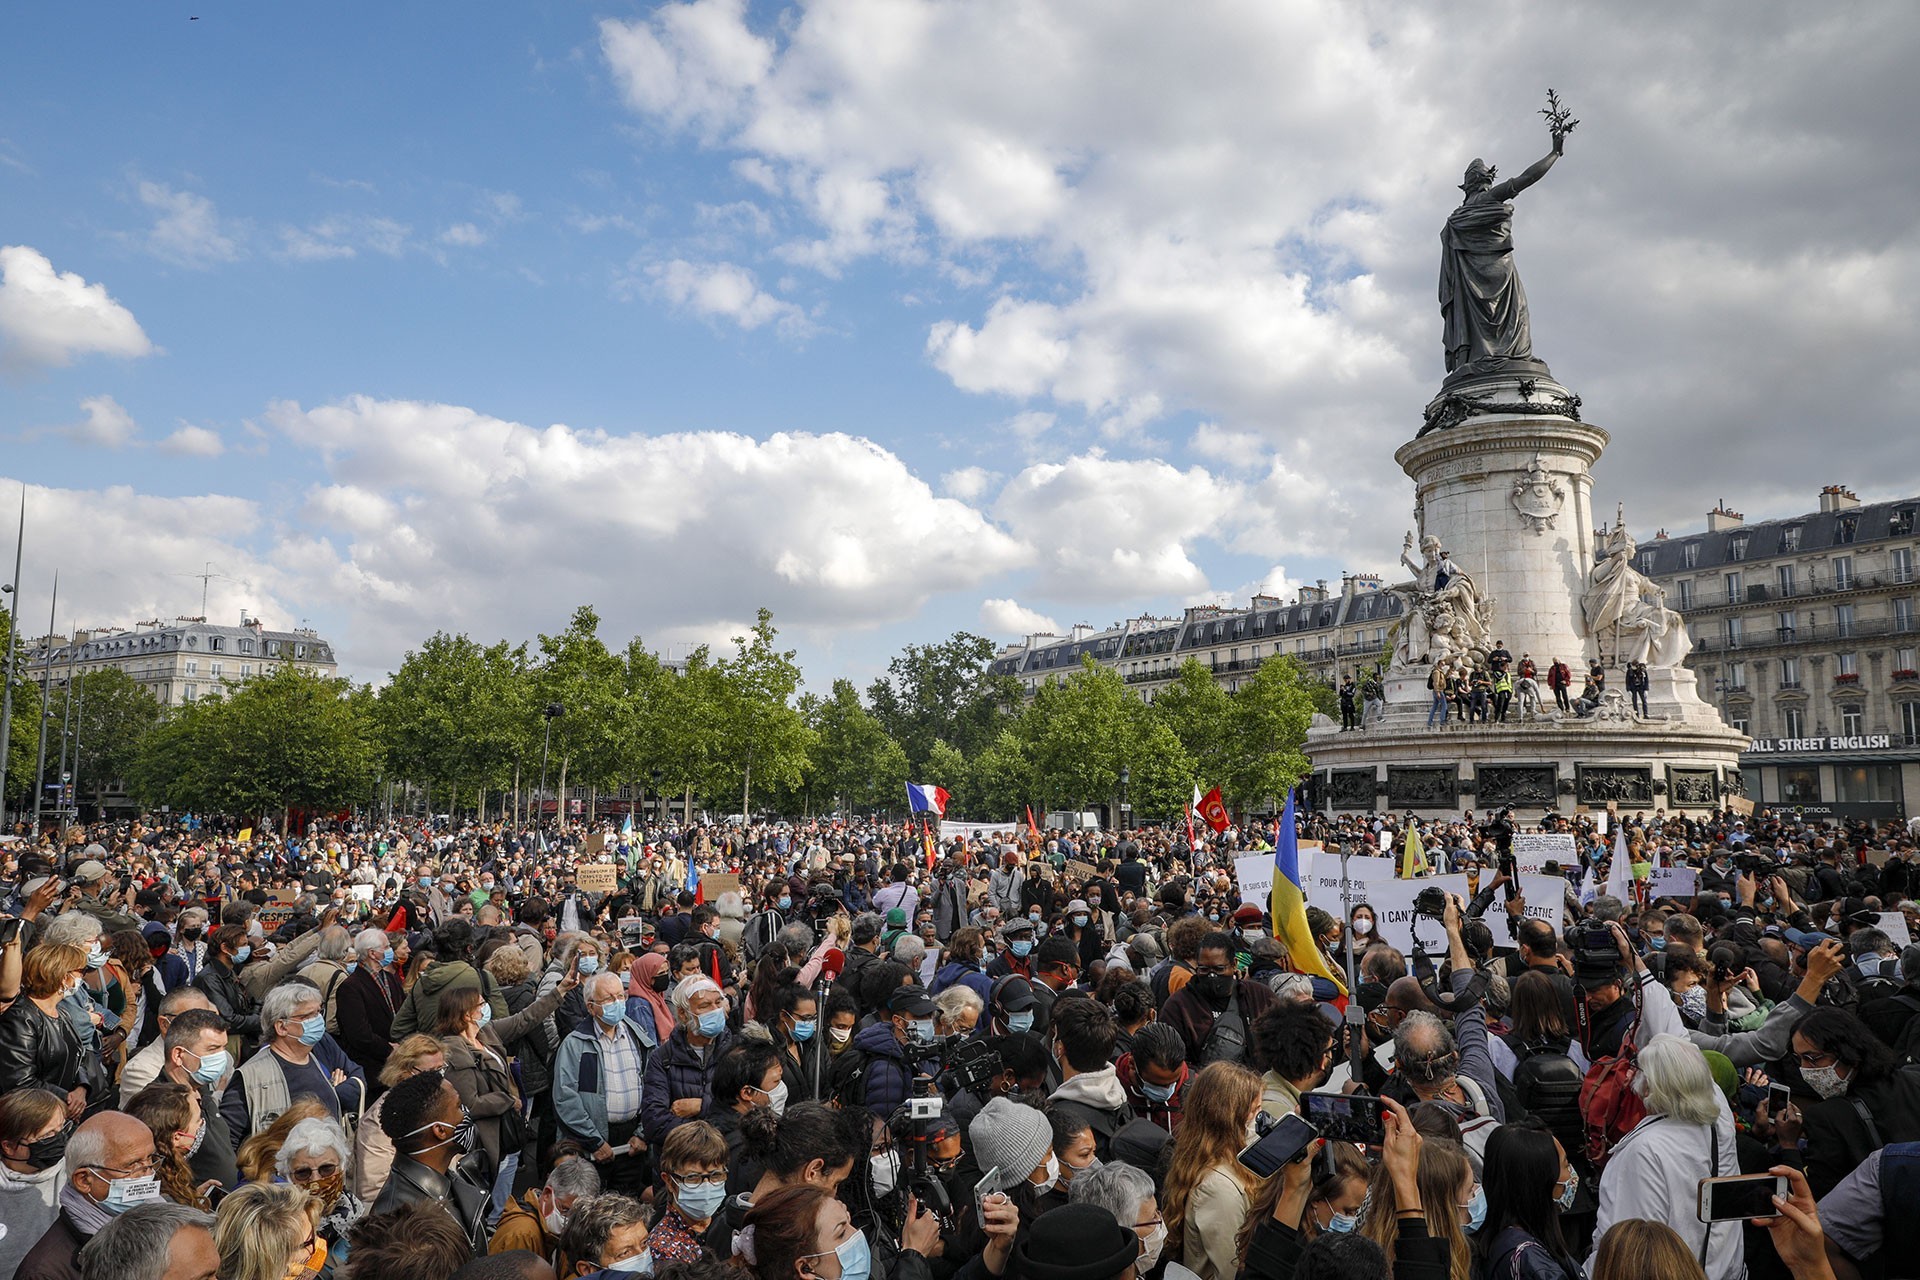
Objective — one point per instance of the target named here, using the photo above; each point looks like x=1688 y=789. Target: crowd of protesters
x=830 y=1051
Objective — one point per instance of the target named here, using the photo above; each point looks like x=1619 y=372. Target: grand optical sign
x=1819 y=746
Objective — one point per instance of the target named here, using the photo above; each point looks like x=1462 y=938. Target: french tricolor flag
x=922 y=798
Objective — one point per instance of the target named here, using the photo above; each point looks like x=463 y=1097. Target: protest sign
x=1533 y=850
x=595 y=843
x=278 y=909
x=974 y=830
x=1543 y=897
x=1894 y=925
x=1672 y=882
x=360 y=892
x=1740 y=805
x=1255 y=875
x=1394 y=921
x=595 y=877
x=715 y=883
x=1322 y=880
x=1081 y=871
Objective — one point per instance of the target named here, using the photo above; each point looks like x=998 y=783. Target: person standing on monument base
x=1560 y=679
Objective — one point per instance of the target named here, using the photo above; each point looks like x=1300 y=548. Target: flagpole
x=1356 y=1016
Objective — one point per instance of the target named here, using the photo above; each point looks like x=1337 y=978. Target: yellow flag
x=1414 y=860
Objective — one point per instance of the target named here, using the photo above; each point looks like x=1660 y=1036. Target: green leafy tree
x=854 y=761
x=1268 y=731
x=943 y=693
x=26 y=721
x=577 y=671
x=946 y=767
x=112 y=716
x=1200 y=714
x=1000 y=780
x=761 y=732
x=285 y=739
x=455 y=714
x=1083 y=731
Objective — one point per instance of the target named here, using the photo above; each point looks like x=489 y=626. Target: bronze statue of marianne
x=1483 y=307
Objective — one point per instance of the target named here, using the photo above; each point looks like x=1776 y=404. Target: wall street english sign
x=1819 y=746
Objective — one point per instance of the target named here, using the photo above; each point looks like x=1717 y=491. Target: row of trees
x=470 y=725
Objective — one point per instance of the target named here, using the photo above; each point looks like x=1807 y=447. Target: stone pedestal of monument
x=1502 y=480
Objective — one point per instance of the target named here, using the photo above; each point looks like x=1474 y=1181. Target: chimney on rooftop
x=1724 y=517
x=1837 y=497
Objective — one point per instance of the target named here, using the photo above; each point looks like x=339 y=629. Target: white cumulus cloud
x=47 y=317
x=190 y=441
x=724 y=291
x=106 y=425
x=1007 y=619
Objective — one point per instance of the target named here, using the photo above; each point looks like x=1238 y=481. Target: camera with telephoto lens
x=965 y=1061
x=1431 y=902
x=1596 y=952
x=1755 y=864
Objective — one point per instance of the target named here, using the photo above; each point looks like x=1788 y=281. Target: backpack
x=1548 y=1085
x=1227 y=1042
x=1609 y=1107
x=1907 y=1049
x=847 y=1086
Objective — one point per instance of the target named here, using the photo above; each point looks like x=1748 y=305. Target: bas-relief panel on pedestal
x=1417 y=787
x=1624 y=784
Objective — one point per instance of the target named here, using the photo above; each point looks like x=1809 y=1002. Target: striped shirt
x=620 y=1072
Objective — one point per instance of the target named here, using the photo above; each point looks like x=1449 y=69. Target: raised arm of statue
x=1531 y=174
x=1406 y=557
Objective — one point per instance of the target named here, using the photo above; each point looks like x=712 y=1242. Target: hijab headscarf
x=640 y=983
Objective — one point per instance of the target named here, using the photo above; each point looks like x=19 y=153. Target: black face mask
x=1214 y=987
x=191 y=935
x=660 y=981
x=48 y=1152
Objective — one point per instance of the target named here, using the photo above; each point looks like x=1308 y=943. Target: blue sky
x=897 y=318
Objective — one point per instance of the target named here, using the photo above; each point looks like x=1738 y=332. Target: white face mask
x=1053 y=1175
x=885 y=1173
x=1363 y=926
x=777 y=1099
x=1824 y=1081
x=1150 y=1247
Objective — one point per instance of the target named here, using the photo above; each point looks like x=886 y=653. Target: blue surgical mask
x=804 y=1028
x=1079 y=922
x=1021 y=947
x=386 y=957
x=612 y=1012
x=212 y=1066
x=1157 y=1092
x=711 y=1023
x=313 y=1030
x=589 y=965
x=126 y=1193
x=699 y=1201
x=1021 y=1021
x=786 y=902
x=1658 y=942
x=240 y=956
x=920 y=1030
x=1342 y=1223
x=426 y=882
x=486 y=1014
x=1477 y=1209
x=856 y=1261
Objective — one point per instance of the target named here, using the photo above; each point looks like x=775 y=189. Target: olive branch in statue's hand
x=1559 y=120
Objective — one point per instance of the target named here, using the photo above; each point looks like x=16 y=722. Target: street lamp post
x=551 y=712
x=13 y=650
x=46 y=676
x=1126 y=776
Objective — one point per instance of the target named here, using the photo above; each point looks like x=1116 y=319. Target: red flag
x=1033 y=827
x=1214 y=810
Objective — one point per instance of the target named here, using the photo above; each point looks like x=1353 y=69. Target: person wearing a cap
x=1017 y=939
x=891 y=1050
x=1077 y=1242
x=1013 y=1146
x=90 y=878
x=1010 y=1007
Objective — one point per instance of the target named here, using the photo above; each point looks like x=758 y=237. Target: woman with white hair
x=1654 y=1172
x=315 y=1158
x=79 y=1007
x=1127 y=1193
x=956 y=1011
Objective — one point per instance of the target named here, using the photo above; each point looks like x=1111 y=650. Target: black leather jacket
x=233 y=1002
x=409 y=1182
x=37 y=1051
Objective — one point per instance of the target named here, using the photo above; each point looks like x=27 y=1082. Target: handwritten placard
x=1543 y=898
x=1533 y=850
x=596 y=877
x=715 y=883
x=1672 y=882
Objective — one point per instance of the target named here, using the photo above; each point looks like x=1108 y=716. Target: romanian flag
x=1288 y=905
x=926 y=840
x=1413 y=861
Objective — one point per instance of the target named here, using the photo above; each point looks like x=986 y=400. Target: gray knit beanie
x=1011 y=1137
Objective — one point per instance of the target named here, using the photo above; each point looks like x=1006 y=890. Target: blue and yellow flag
x=1413 y=860
x=1288 y=905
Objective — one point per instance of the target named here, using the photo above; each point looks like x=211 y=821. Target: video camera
x=967 y=1062
x=1756 y=864
x=1596 y=952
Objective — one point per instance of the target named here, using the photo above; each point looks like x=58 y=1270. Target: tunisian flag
x=1214 y=811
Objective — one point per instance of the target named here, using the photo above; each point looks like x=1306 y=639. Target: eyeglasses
x=322 y=1172
x=711 y=1178
x=140 y=1167
x=1814 y=1058
x=1148 y=1225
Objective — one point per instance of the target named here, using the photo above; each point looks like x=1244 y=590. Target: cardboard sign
x=1740 y=805
x=1533 y=850
x=1324 y=889
x=1082 y=871
x=278 y=910
x=595 y=843
x=1672 y=882
x=1543 y=896
x=1254 y=873
x=715 y=883
x=1394 y=920
x=596 y=877
x=1894 y=925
